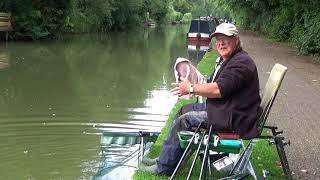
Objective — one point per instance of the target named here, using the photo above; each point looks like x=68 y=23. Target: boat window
x=193 y=26
x=211 y=26
x=204 y=27
x=200 y=26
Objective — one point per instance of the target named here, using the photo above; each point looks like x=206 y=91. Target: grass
x=264 y=156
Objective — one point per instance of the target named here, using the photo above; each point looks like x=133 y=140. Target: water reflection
x=121 y=144
x=57 y=97
x=4 y=58
x=196 y=51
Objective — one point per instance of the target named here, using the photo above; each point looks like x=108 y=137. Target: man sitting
x=232 y=100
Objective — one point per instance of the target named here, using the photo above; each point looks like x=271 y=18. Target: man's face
x=226 y=45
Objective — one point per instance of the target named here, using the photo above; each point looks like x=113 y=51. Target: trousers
x=189 y=116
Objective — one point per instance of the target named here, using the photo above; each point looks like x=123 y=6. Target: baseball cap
x=227 y=29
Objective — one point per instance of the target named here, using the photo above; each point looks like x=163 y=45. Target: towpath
x=297 y=107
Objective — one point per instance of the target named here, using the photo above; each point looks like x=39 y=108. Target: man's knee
x=192 y=119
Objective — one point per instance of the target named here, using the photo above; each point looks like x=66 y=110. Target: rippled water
x=57 y=97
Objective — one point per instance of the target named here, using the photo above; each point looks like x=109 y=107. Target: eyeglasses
x=224 y=39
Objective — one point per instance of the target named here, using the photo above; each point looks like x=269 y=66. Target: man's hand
x=181 y=88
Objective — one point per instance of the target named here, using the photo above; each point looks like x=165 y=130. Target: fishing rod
x=139 y=133
x=195 y=158
x=205 y=156
x=126 y=158
x=185 y=152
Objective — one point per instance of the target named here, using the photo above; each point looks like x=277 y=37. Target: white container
x=223 y=164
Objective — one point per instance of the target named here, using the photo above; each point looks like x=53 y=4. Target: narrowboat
x=201 y=29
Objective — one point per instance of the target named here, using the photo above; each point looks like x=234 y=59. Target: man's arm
x=210 y=90
x=234 y=77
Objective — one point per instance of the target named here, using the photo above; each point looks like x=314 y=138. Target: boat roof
x=201 y=25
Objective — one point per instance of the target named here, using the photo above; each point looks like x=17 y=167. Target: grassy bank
x=263 y=156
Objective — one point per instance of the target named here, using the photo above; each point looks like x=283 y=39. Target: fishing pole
x=205 y=156
x=195 y=158
x=185 y=152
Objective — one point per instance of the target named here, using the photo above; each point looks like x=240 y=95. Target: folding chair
x=269 y=95
x=231 y=143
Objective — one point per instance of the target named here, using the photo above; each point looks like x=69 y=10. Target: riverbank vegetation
x=293 y=21
x=33 y=19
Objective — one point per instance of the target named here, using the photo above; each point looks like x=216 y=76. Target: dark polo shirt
x=238 y=109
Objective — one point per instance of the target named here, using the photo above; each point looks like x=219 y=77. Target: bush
x=282 y=25
x=91 y=16
x=28 y=25
x=296 y=36
x=310 y=42
x=36 y=20
x=187 y=17
x=178 y=16
x=173 y=15
x=47 y=18
x=294 y=21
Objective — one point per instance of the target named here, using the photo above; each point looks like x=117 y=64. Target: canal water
x=58 y=97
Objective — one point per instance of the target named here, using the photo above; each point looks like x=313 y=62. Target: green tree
x=157 y=9
x=36 y=19
x=285 y=20
x=182 y=6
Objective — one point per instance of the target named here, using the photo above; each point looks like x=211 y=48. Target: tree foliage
x=35 y=19
x=182 y=6
x=91 y=15
x=157 y=9
x=285 y=20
